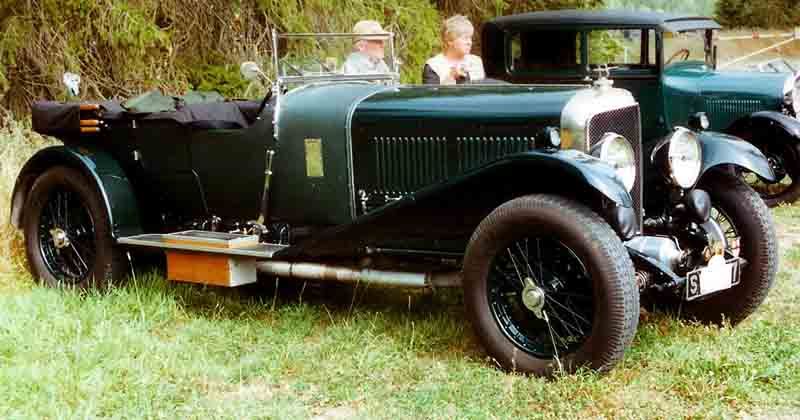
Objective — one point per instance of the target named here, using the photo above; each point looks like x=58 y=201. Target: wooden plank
x=198 y=268
x=157 y=240
x=211 y=239
x=211 y=269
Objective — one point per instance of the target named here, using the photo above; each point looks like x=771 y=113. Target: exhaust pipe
x=322 y=272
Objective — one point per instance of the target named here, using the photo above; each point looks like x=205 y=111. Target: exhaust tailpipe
x=324 y=272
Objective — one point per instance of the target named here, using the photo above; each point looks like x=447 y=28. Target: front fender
x=442 y=216
x=767 y=127
x=723 y=149
x=99 y=167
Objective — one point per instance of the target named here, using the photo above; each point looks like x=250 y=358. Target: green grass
x=154 y=349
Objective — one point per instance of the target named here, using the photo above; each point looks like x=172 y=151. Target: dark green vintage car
x=527 y=197
x=669 y=63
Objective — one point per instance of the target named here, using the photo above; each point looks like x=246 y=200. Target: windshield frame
x=282 y=80
x=709 y=49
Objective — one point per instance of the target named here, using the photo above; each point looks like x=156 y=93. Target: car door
x=230 y=165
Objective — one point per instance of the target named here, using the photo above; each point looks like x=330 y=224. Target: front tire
x=67 y=237
x=566 y=254
x=745 y=218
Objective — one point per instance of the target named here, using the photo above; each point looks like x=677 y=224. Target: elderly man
x=368 y=52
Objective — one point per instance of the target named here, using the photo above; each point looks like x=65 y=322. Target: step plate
x=163 y=241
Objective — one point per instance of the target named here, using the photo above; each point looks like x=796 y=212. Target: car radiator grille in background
x=723 y=112
x=627 y=123
x=733 y=106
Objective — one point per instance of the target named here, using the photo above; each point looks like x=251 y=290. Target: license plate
x=718 y=275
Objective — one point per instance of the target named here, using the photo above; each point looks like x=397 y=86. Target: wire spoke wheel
x=732 y=236
x=548 y=287
x=554 y=271
x=67 y=236
x=68 y=240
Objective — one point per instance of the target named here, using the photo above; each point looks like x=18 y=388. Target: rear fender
x=723 y=149
x=454 y=207
x=100 y=168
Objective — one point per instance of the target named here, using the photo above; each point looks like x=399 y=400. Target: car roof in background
x=605 y=18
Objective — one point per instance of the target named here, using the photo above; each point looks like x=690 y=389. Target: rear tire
x=576 y=261
x=67 y=237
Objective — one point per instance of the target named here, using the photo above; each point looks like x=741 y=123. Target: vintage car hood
x=726 y=96
x=695 y=77
x=488 y=103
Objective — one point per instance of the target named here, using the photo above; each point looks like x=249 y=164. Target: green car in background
x=669 y=63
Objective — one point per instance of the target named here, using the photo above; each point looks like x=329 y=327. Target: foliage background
x=696 y=7
x=123 y=47
x=764 y=13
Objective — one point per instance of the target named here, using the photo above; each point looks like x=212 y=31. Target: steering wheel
x=292 y=67
x=683 y=51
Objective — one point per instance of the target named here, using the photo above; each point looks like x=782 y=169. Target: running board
x=205 y=257
x=168 y=242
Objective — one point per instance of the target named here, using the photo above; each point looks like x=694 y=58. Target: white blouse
x=471 y=64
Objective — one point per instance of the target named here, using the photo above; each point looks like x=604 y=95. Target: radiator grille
x=733 y=106
x=475 y=151
x=625 y=122
x=723 y=112
x=405 y=164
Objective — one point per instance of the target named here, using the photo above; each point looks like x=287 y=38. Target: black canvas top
x=63 y=118
x=605 y=18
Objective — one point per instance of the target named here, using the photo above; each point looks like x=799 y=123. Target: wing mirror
x=252 y=72
x=73 y=83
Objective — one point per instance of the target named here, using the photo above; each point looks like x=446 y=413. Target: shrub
x=121 y=48
x=763 y=14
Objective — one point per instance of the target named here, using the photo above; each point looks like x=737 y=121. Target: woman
x=455 y=65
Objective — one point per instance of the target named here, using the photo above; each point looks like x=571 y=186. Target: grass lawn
x=153 y=349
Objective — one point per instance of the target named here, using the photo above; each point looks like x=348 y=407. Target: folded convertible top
x=71 y=118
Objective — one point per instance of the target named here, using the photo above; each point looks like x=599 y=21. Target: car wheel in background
x=748 y=227
x=785 y=161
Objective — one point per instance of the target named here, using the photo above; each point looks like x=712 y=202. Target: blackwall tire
x=604 y=272
x=753 y=222
x=62 y=200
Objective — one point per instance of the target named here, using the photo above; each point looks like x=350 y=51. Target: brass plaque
x=314 y=168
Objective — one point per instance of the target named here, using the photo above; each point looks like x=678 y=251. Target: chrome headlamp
x=617 y=151
x=680 y=157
